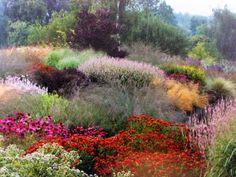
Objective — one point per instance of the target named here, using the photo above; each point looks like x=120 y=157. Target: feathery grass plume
x=11 y=64
x=147 y=53
x=185 y=96
x=127 y=72
x=30 y=54
x=221 y=87
x=205 y=129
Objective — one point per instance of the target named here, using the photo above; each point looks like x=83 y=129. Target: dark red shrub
x=98 y=31
x=62 y=82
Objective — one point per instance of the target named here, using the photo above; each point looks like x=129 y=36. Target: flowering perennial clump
x=50 y=160
x=152 y=142
x=22 y=124
x=23 y=85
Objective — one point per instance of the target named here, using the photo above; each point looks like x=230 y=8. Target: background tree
x=223 y=31
x=3 y=26
x=25 y=10
x=197 y=21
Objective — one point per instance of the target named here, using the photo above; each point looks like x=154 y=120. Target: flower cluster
x=159 y=140
x=23 y=85
x=179 y=77
x=90 y=131
x=22 y=124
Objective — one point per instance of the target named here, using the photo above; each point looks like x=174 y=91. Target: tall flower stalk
x=205 y=129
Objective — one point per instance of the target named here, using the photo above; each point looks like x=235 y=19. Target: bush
x=97 y=31
x=77 y=60
x=194 y=73
x=64 y=82
x=221 y=88
x=186 y=97
x=50 y=160
x=54 y=32
x=55 y=56
x=129 y=73
x=199 y=52
x=68 y=59
x=149 y=29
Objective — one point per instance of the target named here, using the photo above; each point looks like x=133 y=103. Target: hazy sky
x=200 y=7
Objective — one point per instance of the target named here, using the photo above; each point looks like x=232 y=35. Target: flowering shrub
x=186 y=96
x=194 y=73
x=51 y=160
x=204 y=130
x=23 y=85
x=144 y=137
x=127 y=72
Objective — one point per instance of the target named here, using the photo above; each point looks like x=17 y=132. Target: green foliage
x=18 y=32
x=149 y=29
x=3 y=27
x=194 y=73
x=76 y=60
x=25 y=10
x=221 y=87
x=55 y=56
x=200 y=52
x=222 y=154
x=54 y=32
x=67 y=58
x=106 y=106
x=38 y=105
x=197 y=21
x=51 y=160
